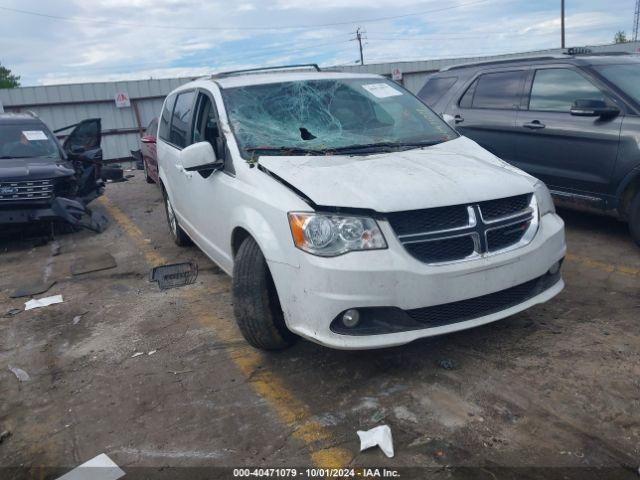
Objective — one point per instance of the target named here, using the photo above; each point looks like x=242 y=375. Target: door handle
x=535 y=125
x=458 y=119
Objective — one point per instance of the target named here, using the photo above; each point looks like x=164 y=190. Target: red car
x=149 y=153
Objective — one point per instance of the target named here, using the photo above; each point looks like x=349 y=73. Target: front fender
x=271 y=232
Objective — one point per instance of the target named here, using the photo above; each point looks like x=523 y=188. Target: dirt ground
x=553 y=391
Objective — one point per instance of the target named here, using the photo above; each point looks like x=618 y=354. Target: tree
x=8 y=79
x=621 y=37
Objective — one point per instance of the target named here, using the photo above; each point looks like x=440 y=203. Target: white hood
x=450 y=173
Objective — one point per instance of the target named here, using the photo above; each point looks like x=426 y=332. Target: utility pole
x=636 y=21
x=359 y=36
x=562 y=22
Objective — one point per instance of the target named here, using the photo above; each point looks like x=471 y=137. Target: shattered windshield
x=27 y=141
x=330 y=116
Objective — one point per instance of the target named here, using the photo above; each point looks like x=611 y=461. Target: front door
x=83 y=149
x=486 y=113
x=569 y=153
x=209 y=189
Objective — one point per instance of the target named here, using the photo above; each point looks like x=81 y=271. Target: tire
x=179 y=237
x=146 y=173
x=255 y=301
x=634 y=218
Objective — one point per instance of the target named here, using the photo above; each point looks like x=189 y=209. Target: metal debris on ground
x=175 y=275
x=378 y=436
x=378 y=416
x=447 y=364
x=4 y=435
x=98 y=468
x=55 y=249
x=152 y=352
x=20 y=374
x=13 y=312
x=77 y=319
x=30 y=289
x=137 y=354
x=42 y=302
x=93 y=263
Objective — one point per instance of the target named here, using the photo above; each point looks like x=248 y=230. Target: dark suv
x=571 y=120
x=40 y=180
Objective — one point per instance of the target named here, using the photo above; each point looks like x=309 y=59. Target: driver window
x=205 y=128
x=555 y=90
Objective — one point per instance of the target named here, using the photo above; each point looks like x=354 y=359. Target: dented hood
x=451 y=173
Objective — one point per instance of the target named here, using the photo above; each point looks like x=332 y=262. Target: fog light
x=555 y=268
x=351 y=318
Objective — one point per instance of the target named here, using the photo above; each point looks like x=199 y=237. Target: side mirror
x=200 y=156
x=593 y=108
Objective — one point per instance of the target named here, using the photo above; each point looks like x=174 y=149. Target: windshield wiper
x=286 y=150
x=7 y=157
x=382 y=147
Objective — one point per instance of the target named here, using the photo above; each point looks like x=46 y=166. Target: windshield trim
x=629 y=100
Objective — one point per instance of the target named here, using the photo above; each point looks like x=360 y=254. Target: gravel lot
x=554 y=390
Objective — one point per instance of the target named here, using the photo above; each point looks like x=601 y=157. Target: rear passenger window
x=555 y=90
x=178 y=135
x=165 y=118
x=500 y=91
x=435 y=88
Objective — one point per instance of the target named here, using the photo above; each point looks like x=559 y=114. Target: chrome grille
x=36 y=190
x=465 y=232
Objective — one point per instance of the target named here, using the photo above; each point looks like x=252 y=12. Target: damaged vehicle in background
x=43 y=181
x=349 y=213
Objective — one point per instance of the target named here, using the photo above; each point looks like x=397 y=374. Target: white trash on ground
x=20 y=374
x=380 y=436
x=42 y=302
x=98 y=468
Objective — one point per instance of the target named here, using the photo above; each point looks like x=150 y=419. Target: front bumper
x=72 y=211
x=318 y=290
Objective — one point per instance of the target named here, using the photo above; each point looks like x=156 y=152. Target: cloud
x=127 y=39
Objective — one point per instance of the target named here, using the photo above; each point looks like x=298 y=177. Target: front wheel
x=255 y=301
x=179 y=237
x=634 y=218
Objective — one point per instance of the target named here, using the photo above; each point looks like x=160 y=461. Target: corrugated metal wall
x=62 y=105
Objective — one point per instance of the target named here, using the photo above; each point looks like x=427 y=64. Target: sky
x=53 y=41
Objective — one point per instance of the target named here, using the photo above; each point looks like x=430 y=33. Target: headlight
x=545 y=202
x=332 y=235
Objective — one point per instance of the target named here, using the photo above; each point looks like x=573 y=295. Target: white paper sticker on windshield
x=34 y=135
x=381 y=90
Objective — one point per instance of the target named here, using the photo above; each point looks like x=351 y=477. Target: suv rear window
x=501 y=91
x=435 y=88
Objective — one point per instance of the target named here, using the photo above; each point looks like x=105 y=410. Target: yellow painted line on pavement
x=604 y=266
x=266 y=383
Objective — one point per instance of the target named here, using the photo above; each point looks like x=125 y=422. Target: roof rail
x=498 y=62
x=266 y=69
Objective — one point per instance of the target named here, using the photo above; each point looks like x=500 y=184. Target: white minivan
x=349 y=213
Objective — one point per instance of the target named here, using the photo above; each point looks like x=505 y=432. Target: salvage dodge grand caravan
x=348 y=213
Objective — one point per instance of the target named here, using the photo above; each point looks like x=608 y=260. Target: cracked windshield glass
x=330 y=116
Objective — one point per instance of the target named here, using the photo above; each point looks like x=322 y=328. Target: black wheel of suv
x=146 y=173
x=634 y=218
x=255 y=301
x=179 y=237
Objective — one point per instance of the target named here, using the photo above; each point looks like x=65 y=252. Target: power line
x=194 y=28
